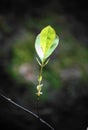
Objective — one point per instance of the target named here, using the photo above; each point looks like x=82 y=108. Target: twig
x=28 y=111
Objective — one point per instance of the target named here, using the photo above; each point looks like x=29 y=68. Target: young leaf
x=47 y=37
x=53 y=47
x=38 y=48
x=46 y=42
x=46 y=62
x=38 y=61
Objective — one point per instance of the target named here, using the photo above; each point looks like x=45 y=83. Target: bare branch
x=28 y=111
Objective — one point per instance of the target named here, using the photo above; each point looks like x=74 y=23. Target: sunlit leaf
x=38 y=48
x=47 y=37
x=52 y=48
x=46 y=42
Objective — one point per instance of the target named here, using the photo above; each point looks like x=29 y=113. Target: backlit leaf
x=47 y=37
x=46 y=42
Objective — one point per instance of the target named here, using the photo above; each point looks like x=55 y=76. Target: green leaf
x=53 y=47
x=46 y=62
x=46 y=42
x=38 y=48
x=47 y=37
x=38 y=61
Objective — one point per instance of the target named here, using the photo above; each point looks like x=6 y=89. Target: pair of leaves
x=46 y=42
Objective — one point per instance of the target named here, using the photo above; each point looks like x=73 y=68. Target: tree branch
x=28 y=111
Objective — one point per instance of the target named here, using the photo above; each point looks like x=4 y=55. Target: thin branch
x=28 y=111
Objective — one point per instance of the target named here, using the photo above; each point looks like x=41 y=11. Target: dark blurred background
x=64 y=103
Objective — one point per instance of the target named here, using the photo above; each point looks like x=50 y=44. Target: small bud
x=39 y=87
x=39 y=93
x=40 y=79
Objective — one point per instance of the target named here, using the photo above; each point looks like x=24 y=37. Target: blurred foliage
x=23 y=50
x=70 y=53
